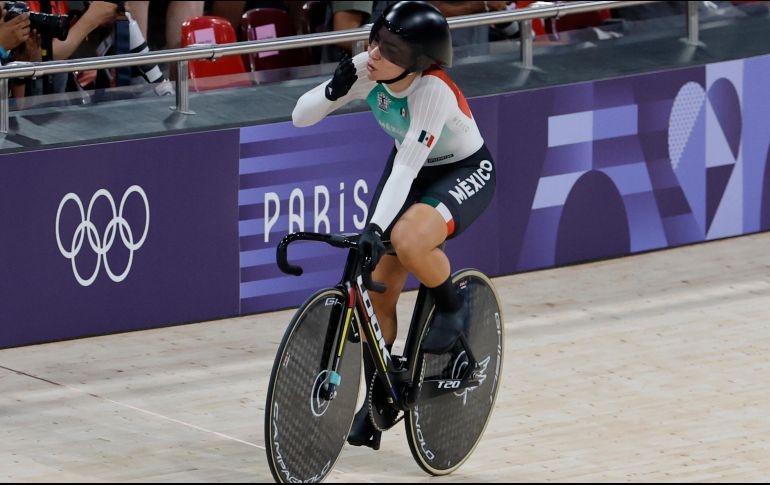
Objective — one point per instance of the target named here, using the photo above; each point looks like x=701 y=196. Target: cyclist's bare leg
x=416 y=237
x=392 y=273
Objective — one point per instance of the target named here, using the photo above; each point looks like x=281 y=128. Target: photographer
x=29 y=51
x=12 y=33
x=98 y=14
x=60 y=37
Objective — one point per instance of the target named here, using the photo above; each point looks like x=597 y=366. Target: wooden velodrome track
x=649 y=368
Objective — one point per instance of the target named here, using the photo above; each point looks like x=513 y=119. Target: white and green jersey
x=430 y=121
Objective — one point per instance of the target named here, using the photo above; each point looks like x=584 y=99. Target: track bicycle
x=445 y=400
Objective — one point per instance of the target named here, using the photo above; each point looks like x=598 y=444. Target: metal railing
x=211 y=52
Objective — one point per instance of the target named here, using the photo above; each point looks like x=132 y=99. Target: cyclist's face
x=378 y=67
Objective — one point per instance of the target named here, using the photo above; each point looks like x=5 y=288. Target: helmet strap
x=395 y=79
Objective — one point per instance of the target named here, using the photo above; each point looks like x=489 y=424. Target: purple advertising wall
x=587 y=171
x=615 y=167
x=145 y=233
x=120 y=236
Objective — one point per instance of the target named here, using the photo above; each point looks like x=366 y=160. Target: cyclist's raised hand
x=370 y=245
x=343 y=79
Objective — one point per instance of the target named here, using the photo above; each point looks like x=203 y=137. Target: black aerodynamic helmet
x=413 y=35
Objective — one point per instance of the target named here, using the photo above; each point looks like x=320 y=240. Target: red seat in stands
x=270 y=23
x=225 y=72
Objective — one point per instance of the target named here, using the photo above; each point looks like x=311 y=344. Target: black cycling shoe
x=445 y=330
x=363 y=432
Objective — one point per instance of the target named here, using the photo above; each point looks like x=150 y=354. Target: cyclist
x=439 y=178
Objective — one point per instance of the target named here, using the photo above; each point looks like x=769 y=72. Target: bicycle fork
x=344 y=325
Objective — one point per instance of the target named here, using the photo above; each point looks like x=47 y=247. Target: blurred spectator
x=176 y=13
x=98 y=15
x=343 y=16
x=653 y=10
x=13 y=37
x=29 y=51
x=83 y=25
x=12 y=33
x=667 y=9
x=44 y=48
x=232 y=11
x=474 y=40
x=505 y=30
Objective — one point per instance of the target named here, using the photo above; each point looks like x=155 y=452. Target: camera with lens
x=48 y=25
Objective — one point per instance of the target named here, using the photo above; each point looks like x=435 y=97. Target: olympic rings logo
x=101 y=244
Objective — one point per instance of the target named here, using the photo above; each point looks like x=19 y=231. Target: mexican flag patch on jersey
x=426 y=139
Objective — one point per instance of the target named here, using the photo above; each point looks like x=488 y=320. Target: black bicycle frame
x=402 y=384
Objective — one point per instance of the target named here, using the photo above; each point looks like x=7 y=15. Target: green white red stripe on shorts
x=443 y=210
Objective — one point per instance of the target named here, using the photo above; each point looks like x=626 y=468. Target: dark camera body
x=48 y=25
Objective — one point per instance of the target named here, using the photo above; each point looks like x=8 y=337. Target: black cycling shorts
x=460 y=191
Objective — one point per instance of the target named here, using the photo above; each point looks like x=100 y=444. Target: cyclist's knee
x=410 y=242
